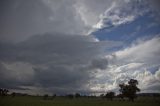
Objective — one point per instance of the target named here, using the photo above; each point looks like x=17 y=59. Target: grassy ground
x=38 y=101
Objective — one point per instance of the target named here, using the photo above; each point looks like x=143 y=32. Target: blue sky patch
x=143 y=26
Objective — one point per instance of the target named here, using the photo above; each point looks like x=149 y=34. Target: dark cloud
x=63 y=78
x=56 y=61
x=100 y=63
x=42 y=49
x=11 y=79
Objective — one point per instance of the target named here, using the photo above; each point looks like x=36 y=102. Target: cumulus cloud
x=144 y=51
x=140 y=61
x=157 y=74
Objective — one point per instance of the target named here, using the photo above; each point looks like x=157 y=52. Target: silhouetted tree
x=77 y=95
x=53 y=96
x=3 y=92
x=13 y=94
x=120 y=96
x=45 y=97
x=110 y=95
x=70 y=96
x=129 y=90
x=102 y=95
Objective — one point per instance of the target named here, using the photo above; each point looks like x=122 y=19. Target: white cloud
x=144 y=51
x=136 y=62
x=118 y=13
x=157 y=74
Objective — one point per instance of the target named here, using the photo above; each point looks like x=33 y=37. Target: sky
x=85 y=46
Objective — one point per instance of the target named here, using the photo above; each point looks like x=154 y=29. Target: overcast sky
x=85 y=46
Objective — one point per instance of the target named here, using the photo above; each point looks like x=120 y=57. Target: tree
x=70 y=96
x=54 y=96
x=102 y=95
x=3 y=92
x=110 y=95
x=129 y=90
x=77 y=95
x=45 y=97
x=13 y=94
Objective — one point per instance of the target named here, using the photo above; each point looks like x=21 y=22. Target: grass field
x=59 y=101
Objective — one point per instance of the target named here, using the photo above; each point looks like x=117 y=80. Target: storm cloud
x=53 y=60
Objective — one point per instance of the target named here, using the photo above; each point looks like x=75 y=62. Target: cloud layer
x=21 y=19
x=53 y=61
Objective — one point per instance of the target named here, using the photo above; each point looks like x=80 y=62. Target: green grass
x=38 y=101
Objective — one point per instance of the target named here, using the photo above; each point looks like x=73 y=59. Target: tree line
x=128 y=90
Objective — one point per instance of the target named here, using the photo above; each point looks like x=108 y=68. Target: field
x=60 y=101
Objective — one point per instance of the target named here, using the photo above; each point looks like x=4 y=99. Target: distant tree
x=70 y=96
x=129 y=90
x=102 y=95
x=53 y=96
x=3 y=92
x=45 y=97
x=110 y=95
x=77 y=95
x=120 y=96
x=13 y=94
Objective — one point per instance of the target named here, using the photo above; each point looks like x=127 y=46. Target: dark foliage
x=3 y=92
x=13 y=94
x=54 y=96
x=110 y=95
x=70 y=96
x=129 y=90
x=77 y=95
x=45 y=97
